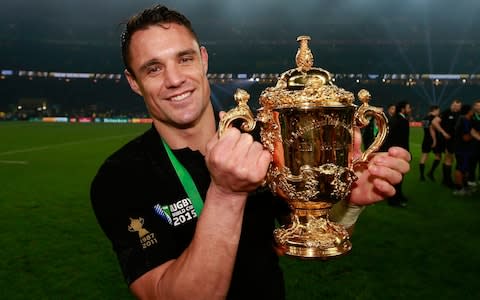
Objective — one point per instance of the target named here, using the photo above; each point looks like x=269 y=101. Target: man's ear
x=204 y=55
x=132 y=82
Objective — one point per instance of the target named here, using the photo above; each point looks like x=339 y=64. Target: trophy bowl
x=307 y=124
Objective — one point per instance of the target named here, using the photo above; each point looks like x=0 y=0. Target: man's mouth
x=180 y=97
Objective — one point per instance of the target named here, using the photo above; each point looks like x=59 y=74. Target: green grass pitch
x=52 y=247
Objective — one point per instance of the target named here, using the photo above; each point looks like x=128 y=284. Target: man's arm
x=433 y=134
x=475 y=134
x=436 y=124
x=375 y=182
x=237 y=166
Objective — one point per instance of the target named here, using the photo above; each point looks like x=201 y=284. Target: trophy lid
x=305 y=86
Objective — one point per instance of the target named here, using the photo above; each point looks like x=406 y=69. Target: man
x=390 y=114
x=475 y=162
x=390 y=111
x=465 y=135
x=429 y=143
x=148 y=196
x=445 y=126
x=399 y=136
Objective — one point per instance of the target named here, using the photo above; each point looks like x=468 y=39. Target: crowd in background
x=452 y=136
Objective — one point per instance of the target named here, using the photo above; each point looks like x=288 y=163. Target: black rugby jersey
x=144 y=211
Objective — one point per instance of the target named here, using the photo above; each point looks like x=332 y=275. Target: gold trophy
x=308 y=127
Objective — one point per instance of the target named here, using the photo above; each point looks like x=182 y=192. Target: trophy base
x=312 y=236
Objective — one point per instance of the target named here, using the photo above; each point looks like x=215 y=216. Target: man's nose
x=174 y=76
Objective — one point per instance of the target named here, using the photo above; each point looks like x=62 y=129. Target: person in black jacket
x=182 y=206
x=390 y=113
x=429 y=144
x=399 y=136
x=445 y=127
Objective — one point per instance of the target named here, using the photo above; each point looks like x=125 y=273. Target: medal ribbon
x=186 y=180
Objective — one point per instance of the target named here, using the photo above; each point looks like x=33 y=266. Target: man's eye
x=186 y=59
x=153 y=69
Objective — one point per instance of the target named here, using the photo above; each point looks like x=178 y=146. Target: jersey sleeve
x=141 y=239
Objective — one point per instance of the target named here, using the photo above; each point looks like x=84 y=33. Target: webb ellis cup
x=307 y=124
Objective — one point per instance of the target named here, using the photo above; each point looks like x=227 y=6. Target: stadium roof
x=363 y=35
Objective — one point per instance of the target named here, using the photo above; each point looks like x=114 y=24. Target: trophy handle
x=363 y=111
x=241 y=111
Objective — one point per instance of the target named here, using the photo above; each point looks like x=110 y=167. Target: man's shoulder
x=127 y=164
x=476 y=123
x=124 y=174
x=133 y=153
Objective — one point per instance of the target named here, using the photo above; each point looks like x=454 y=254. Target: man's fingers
x=389 y=174
x=400 y=153
x=399 y=161
x=384 y=187
x=236 y=162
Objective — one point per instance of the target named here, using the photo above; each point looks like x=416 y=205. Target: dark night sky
x=85 y=27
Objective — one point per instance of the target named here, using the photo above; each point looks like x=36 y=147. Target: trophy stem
x=311 y=235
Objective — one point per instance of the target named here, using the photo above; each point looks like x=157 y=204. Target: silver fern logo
x=163 y=212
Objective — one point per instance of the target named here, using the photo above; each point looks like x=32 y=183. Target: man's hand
x=236 y=162
x=377 y=178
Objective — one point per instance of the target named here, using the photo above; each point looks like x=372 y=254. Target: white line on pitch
x=33 y=149
x=14 y=162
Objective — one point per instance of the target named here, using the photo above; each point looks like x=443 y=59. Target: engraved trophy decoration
x=308 y=126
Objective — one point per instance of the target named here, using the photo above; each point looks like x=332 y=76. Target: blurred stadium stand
x=384 y=46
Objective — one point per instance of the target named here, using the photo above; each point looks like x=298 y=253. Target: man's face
x=476 y=107
x=456 y=106
x=391 y=110
x=170 y=73
x=408 y=109
x=436 y=112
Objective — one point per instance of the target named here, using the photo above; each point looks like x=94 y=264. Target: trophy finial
x=304 y=57
x=364 y=96
x=305 y=85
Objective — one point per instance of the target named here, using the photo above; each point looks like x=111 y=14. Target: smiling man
x=185 y=210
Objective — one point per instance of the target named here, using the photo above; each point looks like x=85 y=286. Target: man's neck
x=195 y=137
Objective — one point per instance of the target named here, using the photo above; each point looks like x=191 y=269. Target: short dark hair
x=434 y=107
x=156 y=15
x=465 y=109
x=401 y=105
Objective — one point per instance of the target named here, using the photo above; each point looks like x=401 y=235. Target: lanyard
x=186 y=180
x=375 y=128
